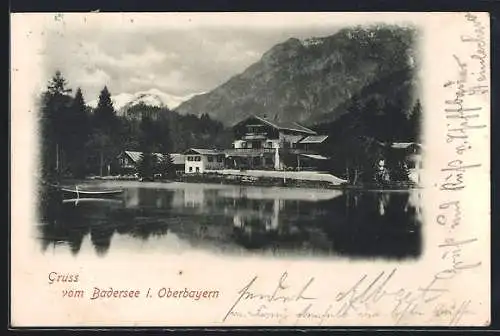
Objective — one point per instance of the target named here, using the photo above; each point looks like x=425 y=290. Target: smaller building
x=407 y=156
x=129 y=161
x=411 y=152
x=199 y=160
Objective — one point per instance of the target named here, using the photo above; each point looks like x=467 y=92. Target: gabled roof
x=136 y=156
x=294 y=138
x=282 y=125
x=314 y=139
x=203 y=151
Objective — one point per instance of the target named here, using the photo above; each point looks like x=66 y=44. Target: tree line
x=77 y=141
x=361 y=137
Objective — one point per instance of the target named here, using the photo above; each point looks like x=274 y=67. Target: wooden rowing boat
x=92 y=200
x=92 y=192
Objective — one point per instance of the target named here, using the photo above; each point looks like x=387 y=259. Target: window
x=269 y=144
x=219 y=159
x=197 y=169
x=197 y=158
x=190 y=158
x=210 y=159
x=190 y=169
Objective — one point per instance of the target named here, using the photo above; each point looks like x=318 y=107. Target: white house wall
x=238 y=143
x=203 y=164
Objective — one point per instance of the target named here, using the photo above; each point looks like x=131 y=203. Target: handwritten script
x=373 y=296
x=461 y=114
x=368 y=297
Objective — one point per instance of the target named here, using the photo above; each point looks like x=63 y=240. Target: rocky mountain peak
x=313 y=80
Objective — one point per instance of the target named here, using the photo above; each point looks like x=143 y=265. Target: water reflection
x=235 y=219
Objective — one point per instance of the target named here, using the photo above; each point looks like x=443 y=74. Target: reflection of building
x=129 y=161
x=264 y=218
x=194 y=198
x=131 y=198
x=178 y=198
x=200 y=160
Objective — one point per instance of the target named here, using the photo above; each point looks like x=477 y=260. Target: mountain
x=313 y=81
x=152 y=97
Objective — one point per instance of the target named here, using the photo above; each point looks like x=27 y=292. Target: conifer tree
x=78 y=135
x=166 y=166
x=416 y=122
x=54 y=107
x=148 y=164
x=105 y=131
x=104 y=114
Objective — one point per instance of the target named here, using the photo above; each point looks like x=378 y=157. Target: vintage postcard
x=250 y=169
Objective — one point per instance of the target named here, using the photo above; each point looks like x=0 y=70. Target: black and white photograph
x=235 y=165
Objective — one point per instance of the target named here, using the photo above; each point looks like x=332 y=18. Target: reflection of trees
x=150 y=228
x=75 y=239
x=364 y=230
x=62 y=223
x=355 y=224
x=70 y=223
x=101 y=238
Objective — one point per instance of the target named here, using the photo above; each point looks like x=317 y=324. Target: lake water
x=238 y=220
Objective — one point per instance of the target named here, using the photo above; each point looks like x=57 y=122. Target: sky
x=178 y=55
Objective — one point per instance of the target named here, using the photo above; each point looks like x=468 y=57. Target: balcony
x=254 y=136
